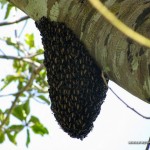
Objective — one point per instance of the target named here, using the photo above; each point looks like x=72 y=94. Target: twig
x=148 y=145
x=39 y=101
x=97 y=4
x=13 y=22
x=11 y=94
x=11 y=57
x=2 y=52
x=145 y=117
x=35 y=72
x=26 y=59
x=20 y=48
x=22 y=29
x=19 y=58
x=37 y=87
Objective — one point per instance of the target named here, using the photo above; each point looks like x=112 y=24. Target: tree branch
x=119 y=24
x=28 y=85
x=13 y=22
x=37 y=87
x=26 y=59
x=148 y=145
x=2 y=51
x=11 y=94
x=145 y=117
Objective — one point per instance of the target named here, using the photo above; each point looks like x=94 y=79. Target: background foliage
x=29 y=78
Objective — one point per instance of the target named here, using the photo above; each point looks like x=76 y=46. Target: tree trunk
x=126 y=62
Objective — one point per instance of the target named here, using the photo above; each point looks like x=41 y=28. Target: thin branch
x=97 y=4
x=13 y=22
x=22 y=29
x=148 y=145
x=26 y=59
x=28 y=85
x=145 y=117
x=39 y=101
x=20 y=48
x=18 y=57
x=38 y=87
x=2 y=52
x=11 y=94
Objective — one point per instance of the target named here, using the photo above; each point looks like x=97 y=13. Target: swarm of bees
x=76 y=87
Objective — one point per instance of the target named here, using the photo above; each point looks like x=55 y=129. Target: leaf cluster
x=29 y=77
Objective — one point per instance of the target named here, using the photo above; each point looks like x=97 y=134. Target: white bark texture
x=126 y=62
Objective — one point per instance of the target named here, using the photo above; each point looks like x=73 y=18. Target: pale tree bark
x=126 y=62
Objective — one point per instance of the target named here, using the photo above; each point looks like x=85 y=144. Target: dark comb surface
x=76 y=88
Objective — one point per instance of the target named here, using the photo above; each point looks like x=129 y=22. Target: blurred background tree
x=28 y=76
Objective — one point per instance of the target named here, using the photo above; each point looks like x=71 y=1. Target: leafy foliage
x=9 y=7
x=29 y=78
x=37 y=127
x=30 y=40
x=21 y=111
x=28 y=138
x=12 y=132
x=2 y=136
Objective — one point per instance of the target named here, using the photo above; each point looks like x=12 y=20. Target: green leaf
x=12 y=137
x=29 y=39
x=9 y=7
x=43 y=73
x=20 y=66
x=8 y=120
x=25 y=66
x=18 y=112
x=20 y=85
x=26 y=107
x=21 y=111
x=16 y=128
x=38 y=127
x=8 y=80
x=12 y=132
x=2 y=136
x=34 y=119
x=40 y=51
x=16 y=64
x=1 y=115
x=28 y=138
x=9 y=42
x=43 y=98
